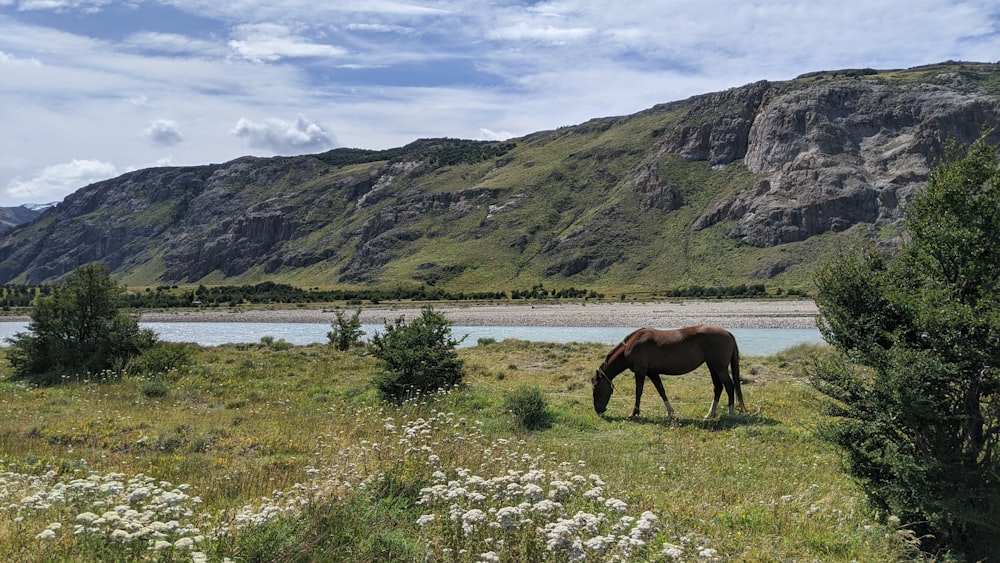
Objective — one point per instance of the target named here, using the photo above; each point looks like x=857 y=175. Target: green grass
x=293 y=459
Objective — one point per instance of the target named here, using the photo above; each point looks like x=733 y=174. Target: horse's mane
x=613 y=350
x=622 y=344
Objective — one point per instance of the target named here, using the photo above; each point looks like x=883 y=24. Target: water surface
x=752 y=341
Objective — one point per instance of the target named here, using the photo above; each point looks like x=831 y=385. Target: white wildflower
x=471 y=519
x=616 y=505
x=533 y=492
x=599 y=544
x=86 y=517
x=547 y=507
x=508 y=516
x=184 y=544
x=672 y=551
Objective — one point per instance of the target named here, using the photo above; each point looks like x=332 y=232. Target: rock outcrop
x=832 y=153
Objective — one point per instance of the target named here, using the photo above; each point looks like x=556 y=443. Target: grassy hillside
x=291 y=457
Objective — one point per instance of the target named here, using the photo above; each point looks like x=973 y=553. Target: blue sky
x=90 y=89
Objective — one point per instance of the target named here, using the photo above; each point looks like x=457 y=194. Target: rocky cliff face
x=833 y=154
x=651 y=199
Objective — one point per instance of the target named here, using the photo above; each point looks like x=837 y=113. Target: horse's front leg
x=640 y=381
x=658 y=383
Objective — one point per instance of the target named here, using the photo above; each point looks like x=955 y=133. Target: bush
x=527 y=404
x=346 y=330
x=418 y=357
x=278 y=345
x=161 y=359
x=155 y=388
x=79 y=329
x=918 y=383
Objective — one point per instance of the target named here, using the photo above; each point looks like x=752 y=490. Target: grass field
x=278 y=453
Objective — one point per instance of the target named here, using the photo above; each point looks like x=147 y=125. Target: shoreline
x=750 y=313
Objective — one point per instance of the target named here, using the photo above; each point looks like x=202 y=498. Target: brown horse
x=651 y=352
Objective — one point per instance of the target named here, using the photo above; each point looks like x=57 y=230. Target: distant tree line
x=264 y=293
x=276 y=293
x=436 y=152
x=539 y=292
x=21 y=295
x=741 y=290
x=450 y=154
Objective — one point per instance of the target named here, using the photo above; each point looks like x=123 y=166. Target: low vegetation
x=253 y=453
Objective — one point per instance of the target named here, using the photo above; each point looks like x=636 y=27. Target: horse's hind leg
x=717 y=393
x=727 y=381
x=658 y=383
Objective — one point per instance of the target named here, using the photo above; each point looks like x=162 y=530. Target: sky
x=92 y=89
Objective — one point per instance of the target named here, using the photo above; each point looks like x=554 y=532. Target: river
x=752 y=341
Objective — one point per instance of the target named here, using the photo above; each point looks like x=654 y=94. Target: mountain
x=13 y=216
x=751 y=185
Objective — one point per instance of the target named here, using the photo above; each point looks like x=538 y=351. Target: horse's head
x=601 y=384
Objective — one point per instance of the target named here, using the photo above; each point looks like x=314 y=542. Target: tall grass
x=257 y=454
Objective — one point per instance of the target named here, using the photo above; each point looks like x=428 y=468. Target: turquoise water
x=752 y=341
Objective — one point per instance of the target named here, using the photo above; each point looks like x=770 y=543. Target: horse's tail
x=734 y=368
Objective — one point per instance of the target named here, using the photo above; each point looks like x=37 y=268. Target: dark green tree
x=416 y=357
x=346 y=330
x=918 y=380
x=78 y=330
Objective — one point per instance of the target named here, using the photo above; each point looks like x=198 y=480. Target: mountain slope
x=14 y=216
x=751 y=184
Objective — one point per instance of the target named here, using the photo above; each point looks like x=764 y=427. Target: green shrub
x=78 y=330
x=279 y=344
x=161 y=359
x=527 y=404
x=416 y=357
x=346 y=330
x=155 y=388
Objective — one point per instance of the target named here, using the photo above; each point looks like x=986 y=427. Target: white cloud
x=12 y=60
x=164 y=133
x=491 y=135
x=87 y=6
x=378 y=28
x=173 y=44
x=265 y=42
x=283 y=137
x=59 y=180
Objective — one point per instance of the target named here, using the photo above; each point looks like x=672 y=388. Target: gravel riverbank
x=764 y=313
